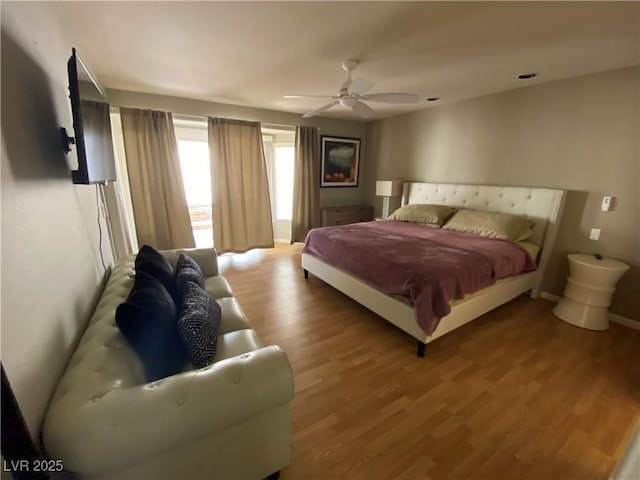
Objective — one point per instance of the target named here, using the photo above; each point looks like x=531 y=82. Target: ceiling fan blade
x=364 y=110
x=360 y=86
x=308 y=96
x=391 y=97
x=320 y=110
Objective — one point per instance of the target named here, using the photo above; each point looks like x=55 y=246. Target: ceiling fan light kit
x=350 y=65
x=353 y=92
x=348 y=101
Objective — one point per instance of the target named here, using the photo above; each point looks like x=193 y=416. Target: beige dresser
x=347 y=214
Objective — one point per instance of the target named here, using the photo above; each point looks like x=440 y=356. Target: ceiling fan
x=353 y=92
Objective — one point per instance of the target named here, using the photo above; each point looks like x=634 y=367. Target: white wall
x=51 y=268
x=580 y=134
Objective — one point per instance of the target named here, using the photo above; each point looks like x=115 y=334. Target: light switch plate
x=595 y=234
x=606 y=204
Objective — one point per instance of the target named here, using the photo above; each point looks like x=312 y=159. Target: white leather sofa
x=229 y=420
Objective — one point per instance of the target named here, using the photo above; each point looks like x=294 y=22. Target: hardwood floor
x=515 y=394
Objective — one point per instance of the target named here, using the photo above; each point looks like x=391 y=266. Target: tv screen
x=91 y=125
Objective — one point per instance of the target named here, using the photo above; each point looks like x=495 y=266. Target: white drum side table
x=590 y=285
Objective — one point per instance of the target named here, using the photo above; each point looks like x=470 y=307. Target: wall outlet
x=595 y=234
x=606 y=204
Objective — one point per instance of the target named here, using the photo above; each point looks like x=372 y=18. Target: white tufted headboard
x=542 y=205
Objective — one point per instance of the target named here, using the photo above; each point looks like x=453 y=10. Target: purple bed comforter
x=427 y=266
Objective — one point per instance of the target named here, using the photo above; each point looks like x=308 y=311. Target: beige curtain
x=157 y=192
x=240 y=192
x=306 y=183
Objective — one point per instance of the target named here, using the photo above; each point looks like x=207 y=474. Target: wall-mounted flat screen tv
x=91 y=125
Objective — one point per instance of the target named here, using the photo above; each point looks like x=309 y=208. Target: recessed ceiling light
x=526 y=76
x=433 y=99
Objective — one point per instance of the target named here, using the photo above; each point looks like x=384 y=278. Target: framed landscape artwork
x=340 y=162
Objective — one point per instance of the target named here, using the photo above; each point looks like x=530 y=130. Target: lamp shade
x=388 y=188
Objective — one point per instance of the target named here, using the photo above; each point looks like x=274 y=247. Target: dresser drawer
x=346 y=215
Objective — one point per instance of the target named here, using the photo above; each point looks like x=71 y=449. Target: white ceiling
x=253 y=53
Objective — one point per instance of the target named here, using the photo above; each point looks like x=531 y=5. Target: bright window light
x=196 y=177
x=284 y=155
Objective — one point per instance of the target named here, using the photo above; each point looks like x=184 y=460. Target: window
x=194 y=163
x=279 y=153
x=284 y=155
x=193 y=150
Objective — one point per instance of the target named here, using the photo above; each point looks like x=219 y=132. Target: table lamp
x=387 y=189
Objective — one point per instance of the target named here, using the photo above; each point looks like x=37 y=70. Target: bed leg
x=421 y=347
x=306 y=274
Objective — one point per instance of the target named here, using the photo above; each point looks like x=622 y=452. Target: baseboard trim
x=628 y=466
x=550 y=296
x=627 y=322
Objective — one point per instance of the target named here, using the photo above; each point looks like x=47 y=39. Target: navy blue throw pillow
x=198 y=324
x=150 y=261
x=187 y=269
x=147 y=319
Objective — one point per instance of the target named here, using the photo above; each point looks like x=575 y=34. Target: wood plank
x=515 y=394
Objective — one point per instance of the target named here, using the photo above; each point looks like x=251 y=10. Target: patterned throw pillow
x=198 y=324
x=147 y=319
x=151 y=262
x=187 y=269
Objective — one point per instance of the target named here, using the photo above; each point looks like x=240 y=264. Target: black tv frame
x=81 y=174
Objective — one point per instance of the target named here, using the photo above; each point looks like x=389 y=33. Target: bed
x=542 y=205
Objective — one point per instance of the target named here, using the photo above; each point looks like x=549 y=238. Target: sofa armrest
x=207 y=258
x=131 y=425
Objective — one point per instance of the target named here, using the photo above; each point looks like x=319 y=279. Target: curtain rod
x=181 y=116
x=277 y=125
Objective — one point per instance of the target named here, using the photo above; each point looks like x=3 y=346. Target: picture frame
x=340 y=162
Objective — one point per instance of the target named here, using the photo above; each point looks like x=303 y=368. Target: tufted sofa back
x=103 y=359
x=105 y=421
